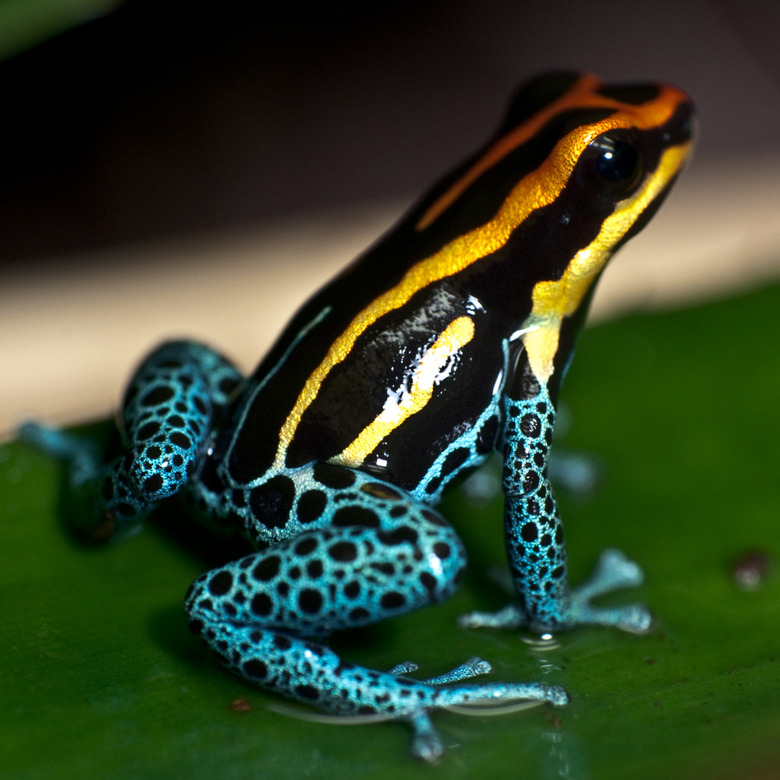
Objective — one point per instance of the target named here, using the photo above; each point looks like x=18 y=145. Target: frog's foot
x=614 y=571
x=485 y=699
x=90 y=515
x=470 y=700
x=81 y=455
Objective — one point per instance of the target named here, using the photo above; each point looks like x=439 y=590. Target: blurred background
x=190 y=168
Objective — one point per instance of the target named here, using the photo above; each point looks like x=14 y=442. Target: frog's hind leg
x=315 y=674
x=373 y=552
x=167 y=415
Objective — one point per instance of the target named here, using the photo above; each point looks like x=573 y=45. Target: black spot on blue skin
x=428 y=581
x=454 y=460
x=314 y=569
x=530 y=482
x=255 y=669
x=343 y=552
x=403 y=533
x=355 y=515
x=176 y=421
x=153 y=484
x=267 y=568
x=157 y=396
x=359 y=615
x=352 y=589
x=147 y=431
x=310 y=601
x=336 y=477
x=272 y=502
x=226 y=386
x=311 y=505
x=221 y=583
x=442 y=550
x=262 y=605
x=434 y=518
x=488 y=435
x=380 y=490
x=530 y=426
x=434 y=484
x=529 y=532
x=393 y=600
x=307 y=692
x=280 y=642
x=180 y=440
x=305 y=546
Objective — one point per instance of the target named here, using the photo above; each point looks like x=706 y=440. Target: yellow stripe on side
x=552 y=301
x=408 y=402
x=535 y=191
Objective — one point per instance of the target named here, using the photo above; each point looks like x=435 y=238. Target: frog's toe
x=471 y=668
x=614 y=571
x=508 y=617
x=426 y=742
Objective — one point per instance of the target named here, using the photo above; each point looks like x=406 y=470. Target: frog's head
x=576 y=169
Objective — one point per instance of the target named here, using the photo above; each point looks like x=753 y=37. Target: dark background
x=168 y=117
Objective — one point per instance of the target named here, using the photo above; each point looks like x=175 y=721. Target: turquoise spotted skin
x=445 y=342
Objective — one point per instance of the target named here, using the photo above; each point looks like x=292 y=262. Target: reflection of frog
x=445 y=341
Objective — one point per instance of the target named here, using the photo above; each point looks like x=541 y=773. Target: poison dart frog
x=444 y=342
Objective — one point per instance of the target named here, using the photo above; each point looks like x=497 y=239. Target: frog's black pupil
x=618 y=162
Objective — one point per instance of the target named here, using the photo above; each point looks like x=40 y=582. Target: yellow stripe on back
x=408 y=402
x=536 y=190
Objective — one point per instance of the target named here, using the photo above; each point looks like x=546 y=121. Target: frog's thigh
x=401 y=556
x=375 y=552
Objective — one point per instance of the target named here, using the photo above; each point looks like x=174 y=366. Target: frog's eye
x=613 y=164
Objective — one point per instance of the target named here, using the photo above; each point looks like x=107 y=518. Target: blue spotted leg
x=168 y=413
x=372 y=552
x=534 y=536
x=342 y=549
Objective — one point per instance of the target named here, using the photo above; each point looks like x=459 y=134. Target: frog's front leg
x=372 y=553
x=168 y=414
x=534 y=535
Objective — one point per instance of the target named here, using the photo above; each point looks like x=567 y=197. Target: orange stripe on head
x=582 y=94
x=535 y=190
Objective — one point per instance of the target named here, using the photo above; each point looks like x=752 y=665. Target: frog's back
x=398 y=363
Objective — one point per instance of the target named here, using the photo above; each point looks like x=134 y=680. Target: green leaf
x=99 y=676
